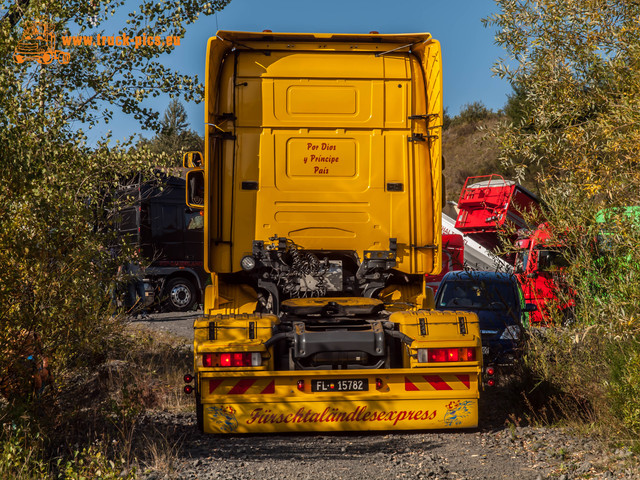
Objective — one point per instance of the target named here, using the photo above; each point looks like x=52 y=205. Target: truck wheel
x=180 y=295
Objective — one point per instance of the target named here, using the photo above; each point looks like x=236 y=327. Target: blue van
x=498 y=301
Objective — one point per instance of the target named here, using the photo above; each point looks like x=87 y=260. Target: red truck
x=488 y=203
x=539 y=265
x=489 y=206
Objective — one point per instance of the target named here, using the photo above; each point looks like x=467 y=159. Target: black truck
x=169 y=236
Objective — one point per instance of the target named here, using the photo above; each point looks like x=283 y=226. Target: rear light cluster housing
x=188 y=389
x=232 y=359
x=490 y=378
x=439 y=355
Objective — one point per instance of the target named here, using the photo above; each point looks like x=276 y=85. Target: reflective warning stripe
x=437 y=382
x=245 y=386
x=242 y=386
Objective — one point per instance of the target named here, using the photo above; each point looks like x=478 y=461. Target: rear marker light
x=379 y=383
x=490 y=381
x=301 y=385
x=188 y=378
x=188 y=389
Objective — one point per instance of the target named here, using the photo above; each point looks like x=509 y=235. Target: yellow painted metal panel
x=224 y=299
x=353 y=100
x=253 y=402
x=438 y=325
x=321 y=100
x=340 y=415
x=248 y=102
x=233 y=329
x=344 y=154
x=321 y=103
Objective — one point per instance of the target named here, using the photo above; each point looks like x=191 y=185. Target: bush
x=21 y=453
x=623 y=386
x=575 y=128
x=471 y=113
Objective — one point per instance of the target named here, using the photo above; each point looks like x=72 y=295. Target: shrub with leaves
x=56 y=189
x=576 y=127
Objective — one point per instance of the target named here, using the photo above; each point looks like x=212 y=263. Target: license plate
x=344 y=385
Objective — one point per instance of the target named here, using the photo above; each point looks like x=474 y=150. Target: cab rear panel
x=333 y=144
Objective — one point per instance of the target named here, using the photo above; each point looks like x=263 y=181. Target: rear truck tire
x=179 y=295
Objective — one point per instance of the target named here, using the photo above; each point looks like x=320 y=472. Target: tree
x=174 y=137
x=576 y=72
x=57 y=268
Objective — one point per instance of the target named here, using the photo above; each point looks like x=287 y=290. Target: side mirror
x=192 y=160
x=530 y=307
x=195 y=188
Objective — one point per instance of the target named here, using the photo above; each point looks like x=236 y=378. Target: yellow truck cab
x=321 y=189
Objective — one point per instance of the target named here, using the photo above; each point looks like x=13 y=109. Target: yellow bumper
x=398 y=399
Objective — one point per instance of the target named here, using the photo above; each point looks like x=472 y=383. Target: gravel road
x=496 y=450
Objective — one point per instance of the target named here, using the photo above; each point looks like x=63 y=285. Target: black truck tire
x=179 y=295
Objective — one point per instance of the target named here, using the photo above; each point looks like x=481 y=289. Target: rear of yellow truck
x=321 y=188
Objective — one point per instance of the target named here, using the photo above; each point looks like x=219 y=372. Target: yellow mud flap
x=301 y=401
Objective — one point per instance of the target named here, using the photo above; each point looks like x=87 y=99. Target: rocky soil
x=499 y=449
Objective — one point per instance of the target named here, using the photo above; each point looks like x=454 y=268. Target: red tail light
x=207 y=360
x=233 y=359
x=451 y=354
x=489 y=379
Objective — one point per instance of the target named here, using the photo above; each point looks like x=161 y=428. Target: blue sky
x=468 y=48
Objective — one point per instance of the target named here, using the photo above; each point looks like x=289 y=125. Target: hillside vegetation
x=468 y=150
